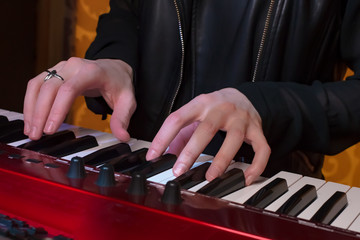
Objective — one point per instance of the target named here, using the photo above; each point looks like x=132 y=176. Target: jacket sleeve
x=116 y=34
x=323 y=117
x=116 y=39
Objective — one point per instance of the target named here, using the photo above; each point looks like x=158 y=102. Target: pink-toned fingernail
x=33 y=132
x=50 y=127
x=179 y=169
x=151 y=154
x=249 y=180
x=26 y=129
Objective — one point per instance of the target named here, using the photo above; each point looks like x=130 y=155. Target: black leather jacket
x=286 y=56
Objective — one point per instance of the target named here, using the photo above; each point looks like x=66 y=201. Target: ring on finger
x=52 y=74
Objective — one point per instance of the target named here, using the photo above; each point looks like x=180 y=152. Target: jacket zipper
x=263 y=38
x=182 y=56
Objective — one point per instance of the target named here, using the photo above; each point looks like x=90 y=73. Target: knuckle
x=174 y=119
x=222 y=158
x=267 y=150
x=133 y=107
x=31 y=84
x=66 y=88
x=92 y=68
x=228 y=107
x=238 y=133
x=157 y=143
x=74 y=61
x=204 y=98
x=188 y=154
x=47 y=87
x=209 y=127
x=245 y=114
x=218 y=167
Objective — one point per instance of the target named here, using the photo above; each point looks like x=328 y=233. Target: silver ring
x=52 y=74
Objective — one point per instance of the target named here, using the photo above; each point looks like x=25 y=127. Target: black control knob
x=106 y=176
x=137 y=184
x=172 y=193
x=77 y=168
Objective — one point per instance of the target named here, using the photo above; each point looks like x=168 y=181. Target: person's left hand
x=189 y=130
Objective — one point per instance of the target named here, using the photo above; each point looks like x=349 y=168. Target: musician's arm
x=323 y=117
x=116 y=39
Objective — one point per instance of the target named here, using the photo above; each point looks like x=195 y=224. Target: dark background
x=35 y=35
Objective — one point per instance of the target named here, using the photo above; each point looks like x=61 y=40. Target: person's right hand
x=47 y=103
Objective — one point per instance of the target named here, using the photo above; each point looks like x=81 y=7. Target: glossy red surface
x=82 y=210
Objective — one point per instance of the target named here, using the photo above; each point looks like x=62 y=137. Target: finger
x=171 y=127
x=124 y=108
x=30 y=101
x=231 y=145
x=199 y=140
x=67 y=91
x=261 y=157
x=42 y=108
x=181 y=139
x=31 y=96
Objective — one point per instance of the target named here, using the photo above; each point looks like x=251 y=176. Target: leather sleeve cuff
x=99 y=106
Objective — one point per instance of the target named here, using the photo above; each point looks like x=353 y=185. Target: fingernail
x=211 y=174
x=151 y=154
x=49 y=128
x=26 y=129
x=33 y=132
x=179 y=169
x=249 y=180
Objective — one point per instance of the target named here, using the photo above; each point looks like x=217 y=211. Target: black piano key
x=331 y=208
x=299 y=201
x=13 y=135
x=71 y=146
x=227 y=183
x=104 y=154
x=193 y=176
x=49 y=140
x=268 y=193
x=3 y=119
x=15 y=124
x=155 y=166
x=129 y=161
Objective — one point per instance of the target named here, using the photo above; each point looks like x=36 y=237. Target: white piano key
x=80 y=132
x=20 y=142
x=317 y=183
x=11 y=115
x=351 y=211
x=3 y=112
x=102 y=138
x=163 y=177
x=198 y=186
x=324 y=193
x=355 y=226
x=244 y=194
x=66 y=126
x=139 y=144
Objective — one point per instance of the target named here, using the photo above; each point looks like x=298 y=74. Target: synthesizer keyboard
x=78 y=195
